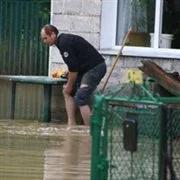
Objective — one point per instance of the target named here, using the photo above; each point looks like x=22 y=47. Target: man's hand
x=67 y=89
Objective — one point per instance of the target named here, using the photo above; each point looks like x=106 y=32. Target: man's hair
x=48 y=29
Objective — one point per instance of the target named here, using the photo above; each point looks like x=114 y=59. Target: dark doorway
x=171 y=21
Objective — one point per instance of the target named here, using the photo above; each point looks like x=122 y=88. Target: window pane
x=138 y=15
x=171 y=21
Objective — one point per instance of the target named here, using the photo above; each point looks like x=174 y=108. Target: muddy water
x=39 y=151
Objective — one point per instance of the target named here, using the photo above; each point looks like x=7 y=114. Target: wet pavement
x=40 y=151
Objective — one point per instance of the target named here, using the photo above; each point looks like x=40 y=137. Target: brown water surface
x=40 y=151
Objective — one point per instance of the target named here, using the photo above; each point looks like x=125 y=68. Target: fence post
x=96 y=122
x=104 y=143
x=163 y=143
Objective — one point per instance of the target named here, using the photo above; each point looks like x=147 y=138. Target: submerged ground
x=40 y=151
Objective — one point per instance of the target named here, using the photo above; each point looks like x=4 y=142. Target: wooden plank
x=171 y=82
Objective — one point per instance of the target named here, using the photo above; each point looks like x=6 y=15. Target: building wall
x=126 y=62
x=83 y=17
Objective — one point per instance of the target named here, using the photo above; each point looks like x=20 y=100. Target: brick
x=84 y=24
x=57 y=6
x=131 y=62
x=71 y=23
x=165 y=64
x=55 y=55
x=72 y=7
x=176 y=65
x=92 y=38
x=62 y=22
x=91 y=7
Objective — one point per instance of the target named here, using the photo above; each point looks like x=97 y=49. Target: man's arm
x=72 y=76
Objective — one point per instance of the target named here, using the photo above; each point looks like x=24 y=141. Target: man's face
x=48 y=39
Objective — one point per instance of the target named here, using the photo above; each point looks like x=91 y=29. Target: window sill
x=144 y=52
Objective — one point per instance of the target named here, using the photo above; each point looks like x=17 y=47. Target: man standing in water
x=86 y=69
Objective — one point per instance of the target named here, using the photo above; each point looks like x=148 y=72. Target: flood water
x=40 y=151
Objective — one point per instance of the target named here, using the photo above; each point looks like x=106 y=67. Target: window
x=137 y=15
x=155 y=26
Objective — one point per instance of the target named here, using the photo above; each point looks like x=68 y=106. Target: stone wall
x=124 y=63
x=81 y=17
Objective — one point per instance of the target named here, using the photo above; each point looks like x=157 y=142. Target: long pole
x=117 y=57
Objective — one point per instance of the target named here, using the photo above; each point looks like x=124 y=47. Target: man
x=86 y=69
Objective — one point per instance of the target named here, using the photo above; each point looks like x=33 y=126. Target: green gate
x=21 y=50
x=135 y=136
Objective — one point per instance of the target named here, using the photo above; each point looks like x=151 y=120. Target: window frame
x=108 y=34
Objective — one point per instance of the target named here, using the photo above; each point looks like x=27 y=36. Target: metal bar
x=41 y=54
x=36 y=42
x=104 y=136
x=16 y=35
x=47 y=102
x=163 y=143
x=170 y=100
x=1 y=22
x=110 y=142
x=13 y=99
x=31 y=35
x=169 y=155
x=96 y=123
x=149 y=93
x=21 y=36
x=26 y=38
x=138 y=101
x=11 y=39
x=5 y=36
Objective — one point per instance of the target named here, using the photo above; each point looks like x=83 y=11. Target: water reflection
x=71 y=161
x=43 y=152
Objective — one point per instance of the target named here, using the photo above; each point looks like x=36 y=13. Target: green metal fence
x=23 y=53
x=21 y=50
x=135 y=136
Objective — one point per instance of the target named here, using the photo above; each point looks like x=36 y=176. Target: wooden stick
x=117 y=57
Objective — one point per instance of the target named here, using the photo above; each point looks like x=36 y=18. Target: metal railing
x=135 y=136
x=21 y=49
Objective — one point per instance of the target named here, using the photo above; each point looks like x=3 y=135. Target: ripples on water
x=39 y=151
